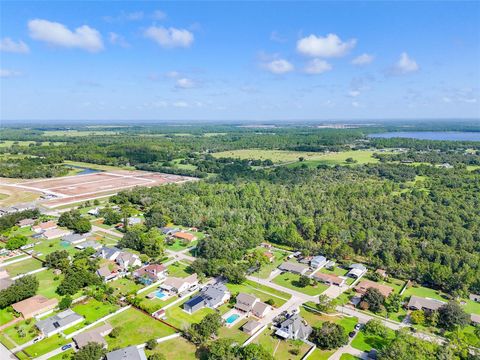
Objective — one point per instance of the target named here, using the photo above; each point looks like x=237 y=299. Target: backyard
x=291 y=281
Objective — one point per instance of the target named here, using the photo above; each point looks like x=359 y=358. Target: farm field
x=310 y=158
x=290 y=281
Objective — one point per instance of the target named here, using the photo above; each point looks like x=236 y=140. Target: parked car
x=358 y=326
x=352 y=334
x=66 y=347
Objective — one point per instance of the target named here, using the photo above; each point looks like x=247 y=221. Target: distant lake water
x=431 y=135
x=85 y=170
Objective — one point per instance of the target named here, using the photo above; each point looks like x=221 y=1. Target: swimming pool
x=160 y=294
x=232 y=318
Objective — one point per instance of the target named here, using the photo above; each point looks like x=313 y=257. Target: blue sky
x=239 y=60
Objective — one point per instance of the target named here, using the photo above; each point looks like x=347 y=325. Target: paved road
x=6 y=354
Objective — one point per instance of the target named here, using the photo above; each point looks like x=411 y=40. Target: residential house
x=211 y=296
x=109 y=271
x=269 y=255
x=356 y=271
x=34 y=306
x=75 y=238
x=126 y=260
x=251 y=305
x=94 y=212
x=260 y=309
x=96 y=336
x=329 y=279
x=185 y=236
x=364 y=285
x=474 y=297
x=419 y=303
x=128 y=353
x=134 y=221
x=59 y=322
x=150 y=273
x=55 y=233
x=169 y=230
x=26 y=222
x=318 y=262
x=251 y=327
x=294 y=328
x=44 y=226
x=88 y=244
x=179 y=285
x=108 y=253
x=293 y=268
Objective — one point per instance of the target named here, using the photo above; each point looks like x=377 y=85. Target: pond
x=431 y=135
x=84 y=171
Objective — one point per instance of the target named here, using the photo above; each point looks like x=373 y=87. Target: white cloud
x=8 y=45
x=53 y=33
x=170 y=37
x=159 y=15
x=363 y=59
x=117 y=39
x=279 y=66
x=7 y=73
x=328 y=46
x=184 y=83
x=354 y=93
x=317 y=66
x=405 y=65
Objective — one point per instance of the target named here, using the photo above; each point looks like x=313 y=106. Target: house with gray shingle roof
x=294 y=328
x=59 y=322
x=128 y=353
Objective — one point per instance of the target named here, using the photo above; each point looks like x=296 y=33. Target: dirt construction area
x=71 y=189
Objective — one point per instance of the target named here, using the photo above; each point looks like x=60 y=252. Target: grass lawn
x=98 y=166
x=348 y=357
x=319 y=354
x=48 y=246
x=152 y=305
x=23 y=267
x=64 y=355
x=290 y=281
x=178 y=348
x=179 y=318
x=266 y=269
x=125 y=286
x=6 y=315
x=235 y=332
x=249 y=289
x=315 y=319
x=93 y=310
x=278 y=293
x=472 y=307
x=46 y=345
x=179 y=269
x=179 y=245
x=48 y=283
x=280 y=349
x=136 y=328
x=424 y=292
x=26 y=331
x=368 y=342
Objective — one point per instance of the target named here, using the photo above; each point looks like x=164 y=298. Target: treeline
x=433 y=157
x=32 y=167
x=8 y=221
x=431 y=235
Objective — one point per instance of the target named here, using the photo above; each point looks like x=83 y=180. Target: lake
x=431 y=135
x=85 y=170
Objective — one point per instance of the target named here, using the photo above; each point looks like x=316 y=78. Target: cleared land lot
x=282 y=156
x=10 y=195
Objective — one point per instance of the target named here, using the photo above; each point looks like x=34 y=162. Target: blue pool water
x=232 y=318
x=159 y=294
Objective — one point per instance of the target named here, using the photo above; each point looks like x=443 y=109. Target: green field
x=368 y=342
x=136 y=328
x=48 y=246
x=125 y=286
x=263 y=293
x=310 y=158
x=8 y=143
x=290 y=281
x=23 y=267
x=77 y=133
x=179 y=269
x=48 y=283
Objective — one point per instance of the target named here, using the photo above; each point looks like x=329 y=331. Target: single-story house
x=245 y=302
x=26 y=222
x=95 y=335
x=293 y=268
x=55 y=233
x=88 y=244
x=475 y=319
x=59 y=322
x=108 y=253
x=186 y=236
x=134 y=221
x=179 y=285
x=211 y=296
x=169 y=230
x=109 y=272
x=150 y=273
x=318 y=262
x=329 y=279
x=44 y=226
x=126 y=259
x=260 y=309
x=364 y=285
x=128 y=353
x=356 y=273
x=251 y=327
x=294 y=328
x=75 y=238
x=474 y=297
x=269 y=255
x=420 y=303
x=34 y=306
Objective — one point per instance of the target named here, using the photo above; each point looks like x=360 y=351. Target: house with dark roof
x=330 y=279
x=293 y=268
x=59 y=322
x=251 y=327
x=294 y=328
x=419 y=303
x=150 y=273
x=95 y=335
x=211 y=296
x=169 y=230
x=75 y=238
